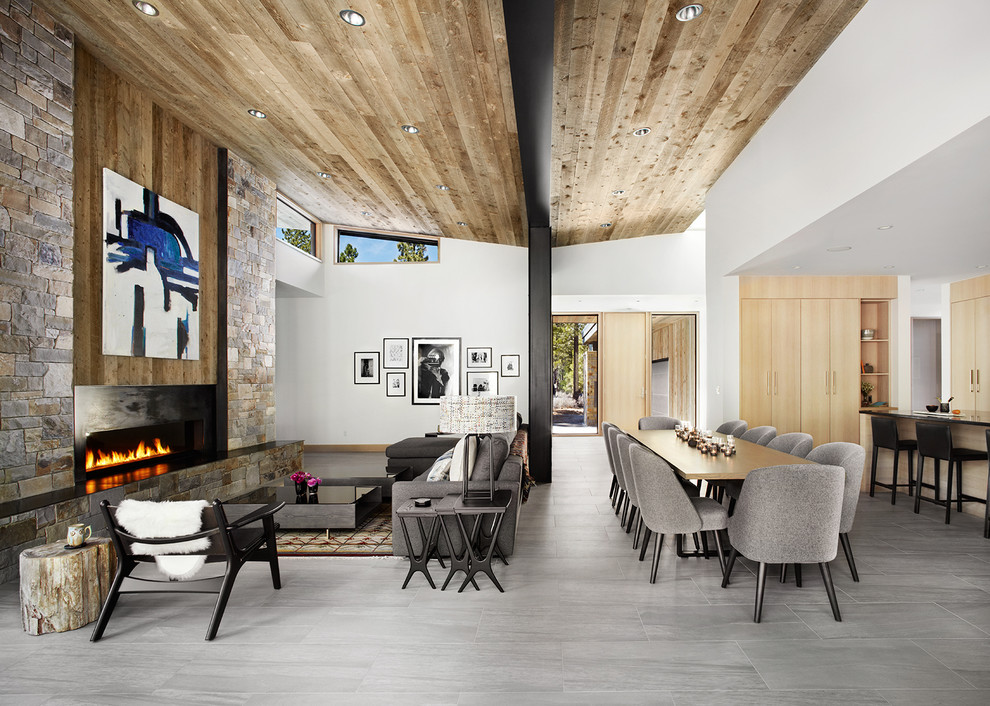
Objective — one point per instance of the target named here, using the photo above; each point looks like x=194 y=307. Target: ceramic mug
x=78 y=534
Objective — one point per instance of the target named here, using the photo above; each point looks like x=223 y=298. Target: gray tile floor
x=579 y=624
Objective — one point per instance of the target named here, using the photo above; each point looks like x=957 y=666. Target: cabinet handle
x=768 y=383
x=833 y=382
x=775 y=382
x=977 y=379
x=826 y=383
x=971 y=380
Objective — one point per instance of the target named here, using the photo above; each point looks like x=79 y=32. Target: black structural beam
x=221 y=350
x=529 y=38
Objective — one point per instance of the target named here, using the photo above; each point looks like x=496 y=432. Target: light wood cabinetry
x=875 y=351
x=829 y=364
x=755 y=362
x=971 y=354
x=770 y=363
x=786 y=345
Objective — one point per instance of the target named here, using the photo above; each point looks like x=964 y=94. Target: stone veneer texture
x=250 y=305
x=36 y=56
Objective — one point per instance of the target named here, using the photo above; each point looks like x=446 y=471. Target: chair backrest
x=884 y=432
x=737 y=427
x=797 y=443
x=606 y=430
x=760 y=435
x=852 y=459
x=212 y=519
x=613 y=437
x=623 y=442
x=934 y=440
x=658 y=423
x=789 y=514
x=665 y=507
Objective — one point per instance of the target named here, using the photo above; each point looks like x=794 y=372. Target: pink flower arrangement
x=313 y=481
x=300 y=477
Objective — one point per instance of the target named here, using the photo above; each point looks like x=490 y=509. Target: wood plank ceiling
x=337 y=96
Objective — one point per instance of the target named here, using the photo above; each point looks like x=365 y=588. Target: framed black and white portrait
x=482 y=383
x=478 y=357
x=366 y=368
x=395 y=352
x=437 y=369
x=510 y=366
x=395 y=384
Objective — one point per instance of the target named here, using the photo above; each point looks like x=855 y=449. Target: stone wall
x=250 y=305
x=36 y=56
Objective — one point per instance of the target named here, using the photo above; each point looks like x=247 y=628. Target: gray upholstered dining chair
x=797 y=443
x=759 y=435
x=658 y=423
x=737 y=427
x=788 y=515
x=852 y=459
x=665 y=506
x=613 y=491
x=623 y=442
x=623 y=502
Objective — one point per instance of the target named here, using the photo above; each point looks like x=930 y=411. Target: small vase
x=314 y=493
x=300 y=492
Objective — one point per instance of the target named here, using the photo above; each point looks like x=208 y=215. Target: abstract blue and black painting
x=150 y=273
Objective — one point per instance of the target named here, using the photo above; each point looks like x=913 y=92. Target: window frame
x=392 y=235
x=317 y=226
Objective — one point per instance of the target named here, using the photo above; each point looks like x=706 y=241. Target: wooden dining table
x=691 y=464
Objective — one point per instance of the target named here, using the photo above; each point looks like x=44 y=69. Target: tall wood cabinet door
x=844 y=361
x=963 y=364
x=786 y=355
x=816 y=378
x=981 y=353
x=755 y=367
x=623 y=362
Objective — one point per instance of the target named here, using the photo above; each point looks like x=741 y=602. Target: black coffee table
x=339 y=506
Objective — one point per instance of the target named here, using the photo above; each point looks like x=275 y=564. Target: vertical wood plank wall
x=120 y=127
x=674 y=339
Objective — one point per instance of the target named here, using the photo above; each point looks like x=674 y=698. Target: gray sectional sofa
x=508 y=476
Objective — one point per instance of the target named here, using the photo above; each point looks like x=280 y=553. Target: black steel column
x=540 y=359
x=221 y=351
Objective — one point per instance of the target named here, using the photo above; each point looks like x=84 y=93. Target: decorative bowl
x=867 y=334
x=931 y=407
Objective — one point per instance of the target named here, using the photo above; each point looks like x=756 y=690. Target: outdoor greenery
x=568 y=360
x=302 y=239
x=350 y=254
x=411 y=252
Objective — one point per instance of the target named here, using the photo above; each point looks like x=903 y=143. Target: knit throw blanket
x=153 y=520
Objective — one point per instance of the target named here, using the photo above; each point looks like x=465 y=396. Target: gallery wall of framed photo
x=350 y=369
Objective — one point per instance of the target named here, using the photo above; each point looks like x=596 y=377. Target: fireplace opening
x=122 y=449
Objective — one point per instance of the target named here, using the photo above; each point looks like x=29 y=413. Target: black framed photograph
x=437 y=370
x=395 y=384
x=510 y=366
x=366 y=368
x=482 y=384
x=395 y=353
x=478 y=357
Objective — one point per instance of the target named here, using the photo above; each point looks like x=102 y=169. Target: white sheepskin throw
x=154 y=520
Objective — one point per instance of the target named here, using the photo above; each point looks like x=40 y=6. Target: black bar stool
x=986 y=512
x=935 y=441
x=885 y=437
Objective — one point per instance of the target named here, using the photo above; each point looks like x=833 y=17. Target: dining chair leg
x=797 y=575
x=847 y=549
x=959 y=493
x=704 y=545
x=893 y=480
x=695 y=538
x=633 y=511
x=646 y=543
x=612 y=490
x=761 y=582
x=656 y=558
x=910 y=472
x=873 y=470
x=783 y=573
x=948 y=494
x=721 y=552
x=618 y=502
x=732 y=507
x=917 y=486
x=625 y=509
x=830 y=589
x=728 y=567
x=639 y=528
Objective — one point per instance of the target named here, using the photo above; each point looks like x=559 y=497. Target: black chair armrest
x=259 y=514
x=168 y=540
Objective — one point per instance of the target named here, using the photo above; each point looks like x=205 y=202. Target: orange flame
x=114 y=458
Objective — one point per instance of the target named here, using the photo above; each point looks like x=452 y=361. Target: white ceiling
x=939 y=207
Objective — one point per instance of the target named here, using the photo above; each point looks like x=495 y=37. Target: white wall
x=896 y=84
x=478 y=292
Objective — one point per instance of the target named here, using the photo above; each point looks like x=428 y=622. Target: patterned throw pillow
x=440 y=470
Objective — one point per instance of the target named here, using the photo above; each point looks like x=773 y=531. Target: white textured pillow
x=468 y=446
x=440 y=470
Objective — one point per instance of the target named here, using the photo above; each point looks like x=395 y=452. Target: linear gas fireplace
x=142 y=430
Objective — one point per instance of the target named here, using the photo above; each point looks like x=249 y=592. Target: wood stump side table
x=62 y=589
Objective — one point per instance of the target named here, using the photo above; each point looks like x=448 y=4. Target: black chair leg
x=873 y=471
x=108 y=605
x=917 y=486
x=732 y=506
x=948 y=494
x=728 y=567
x=761 y=582
x=830 y=589
x=704 y=545
x=910 y=472
x=656 y=559
x=938 y=479
x=618 y=501
x=847 y=549
x=639 y=528
x=986 y=512
x=646 y=543
x=612 y=490
x=797 y=575
x=959 y=493
x=269 y=524
x=225 y=588
x=893 y=480
x=721 y=552
x=633 y=511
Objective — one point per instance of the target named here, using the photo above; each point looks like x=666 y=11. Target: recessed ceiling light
x=981 y=267
x=443 y=187
x=640 y=132
x=352 y=18
x=839 y=248
x=884 y=227
x=145 y=8
x=618 y=192
x=257 y=114
x=888 y=267
x=461 y=223
x=795 y=267
x=411 y=129
x=365 y=213
x=325 y=175
x=689 y=12
x=605 y=225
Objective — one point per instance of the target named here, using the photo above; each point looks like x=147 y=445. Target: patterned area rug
x=373 y=538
